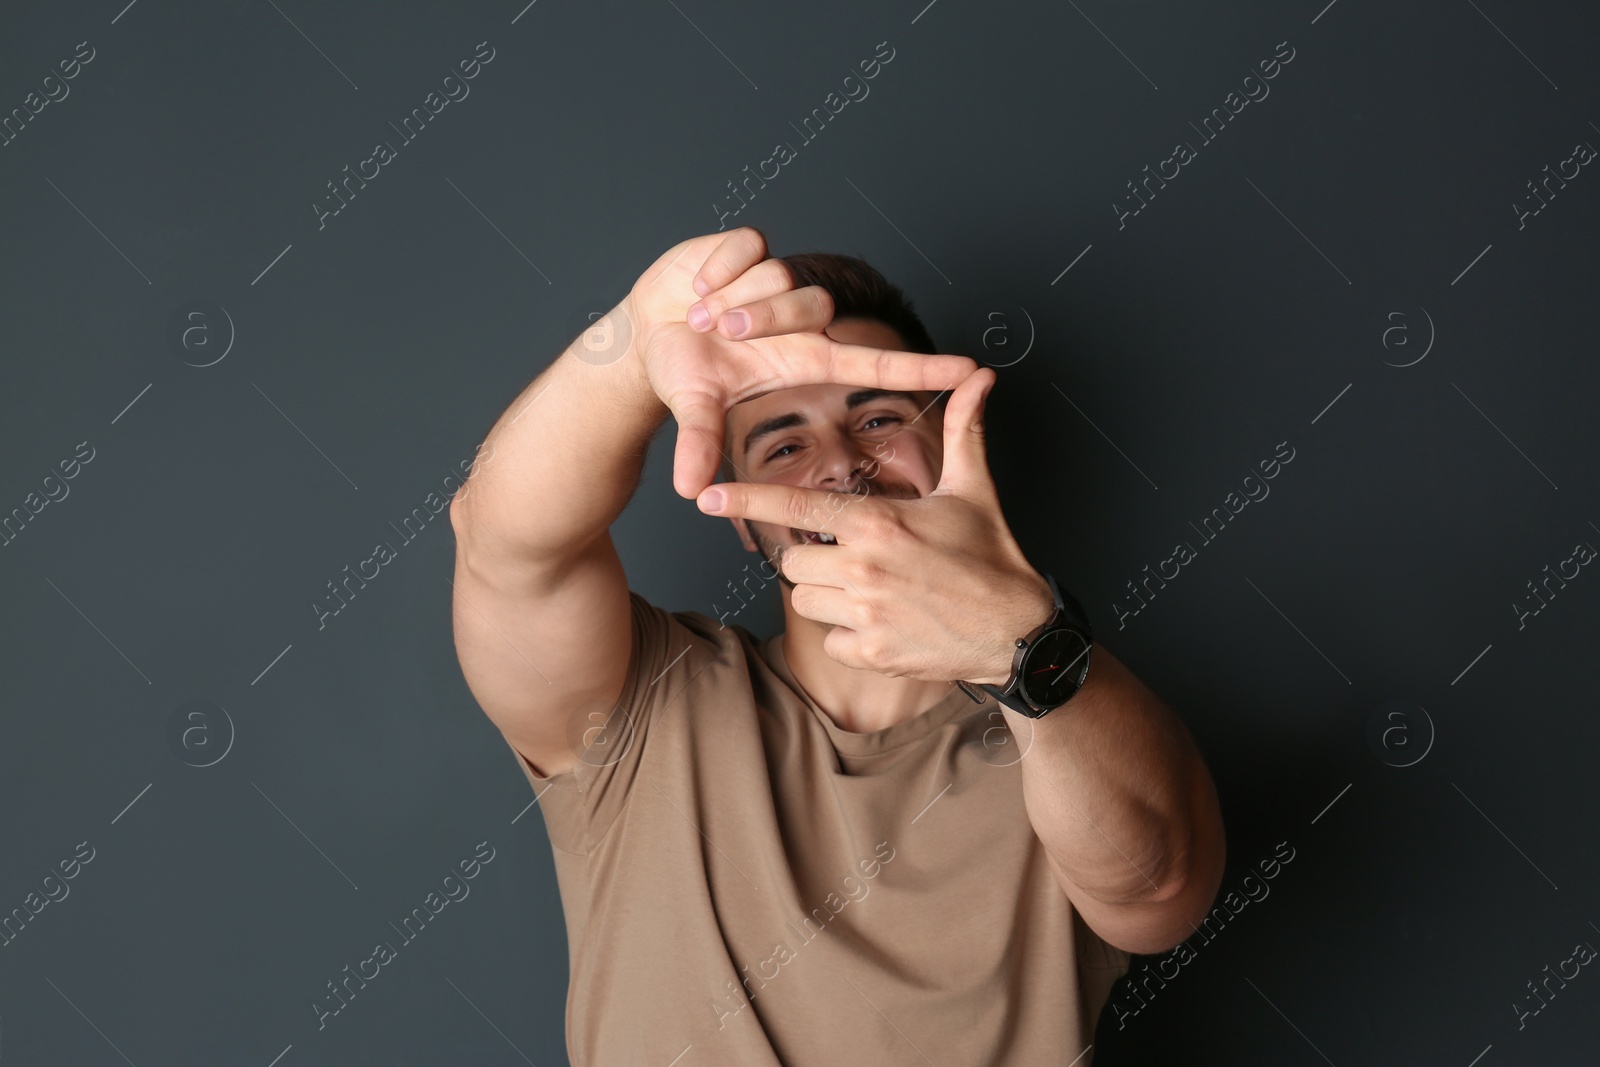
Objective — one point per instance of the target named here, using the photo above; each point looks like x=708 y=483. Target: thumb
x=966 y=463
x=699 y=447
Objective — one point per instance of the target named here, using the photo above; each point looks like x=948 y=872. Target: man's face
x=838 y=438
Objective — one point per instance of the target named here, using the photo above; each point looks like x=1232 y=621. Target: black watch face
x=1053 y=666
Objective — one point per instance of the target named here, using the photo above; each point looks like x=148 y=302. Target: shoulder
x=658 y=630
x=673 y=650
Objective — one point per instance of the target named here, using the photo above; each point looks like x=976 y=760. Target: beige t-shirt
x=745 y=883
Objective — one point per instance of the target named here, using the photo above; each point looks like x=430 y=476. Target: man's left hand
x=933 y=588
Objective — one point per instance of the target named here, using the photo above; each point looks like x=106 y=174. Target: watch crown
x=1022 y=643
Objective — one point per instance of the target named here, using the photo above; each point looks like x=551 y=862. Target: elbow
x=458 y=508
x=1184 y=899
x=1184 y=896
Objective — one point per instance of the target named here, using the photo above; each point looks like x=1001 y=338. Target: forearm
x=559 y=465
x=1119 y=795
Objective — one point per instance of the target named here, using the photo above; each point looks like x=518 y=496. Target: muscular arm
x=566 y=456
x=541 y=612
x=541 y=602
x=1120 y=797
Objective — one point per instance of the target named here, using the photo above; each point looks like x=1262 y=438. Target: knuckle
x=785 y=272
x=774 y=275
x=877 y=524
x=751 y=238
x=867 y=574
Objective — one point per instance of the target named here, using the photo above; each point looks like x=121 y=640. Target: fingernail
x=711 y=501
x=699 y=317
x=702 y=286
x=738 y=323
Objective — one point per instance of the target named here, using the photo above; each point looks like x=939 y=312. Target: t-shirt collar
x=947 y=709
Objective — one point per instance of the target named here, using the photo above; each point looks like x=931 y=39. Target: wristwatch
x=1050 y=663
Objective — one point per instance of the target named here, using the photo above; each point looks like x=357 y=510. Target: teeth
x=828 y=538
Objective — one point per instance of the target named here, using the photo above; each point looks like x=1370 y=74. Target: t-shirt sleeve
x=612 y=742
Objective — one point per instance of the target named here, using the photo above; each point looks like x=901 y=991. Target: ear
x=743 y=529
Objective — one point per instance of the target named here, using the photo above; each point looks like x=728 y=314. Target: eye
x=783 y=450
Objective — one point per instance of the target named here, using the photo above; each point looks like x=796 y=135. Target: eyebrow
x=787 y=421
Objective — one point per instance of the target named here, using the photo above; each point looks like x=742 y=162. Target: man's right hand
x=700 y=371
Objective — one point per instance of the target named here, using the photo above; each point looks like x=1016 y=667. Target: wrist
x=1032 y=612
x=612 y=345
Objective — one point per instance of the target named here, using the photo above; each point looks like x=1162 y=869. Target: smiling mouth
x=811 y=537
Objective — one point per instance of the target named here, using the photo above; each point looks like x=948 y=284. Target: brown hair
x=859 y=291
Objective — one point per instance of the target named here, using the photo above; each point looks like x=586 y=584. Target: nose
x=840 y=462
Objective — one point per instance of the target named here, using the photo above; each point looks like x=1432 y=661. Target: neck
x=858 y=701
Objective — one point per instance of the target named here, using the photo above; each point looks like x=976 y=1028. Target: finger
x=806 y=310
x=767 y=278
x=966 y=465
x=815 y=567
x=809 y=358
x=821 y=603
x=699 y=449
x=742 y=249
x=843 y=645
x=848 y=516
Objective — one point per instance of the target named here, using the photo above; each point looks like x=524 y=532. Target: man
x=815 y=849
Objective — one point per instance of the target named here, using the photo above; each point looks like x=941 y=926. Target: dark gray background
x=1378 y=177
